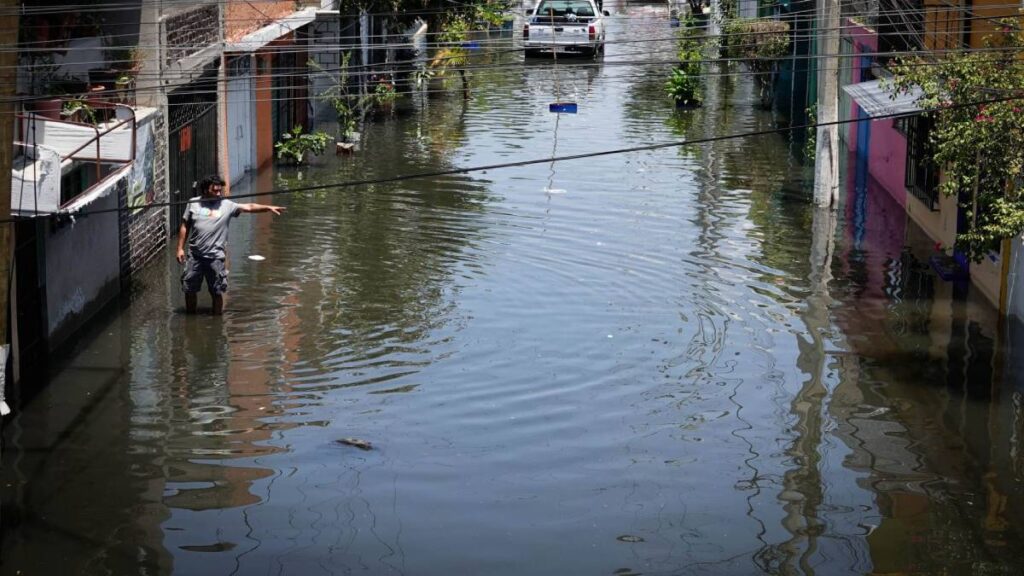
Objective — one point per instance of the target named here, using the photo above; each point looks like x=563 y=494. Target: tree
x=453 y=53
x=976 y=102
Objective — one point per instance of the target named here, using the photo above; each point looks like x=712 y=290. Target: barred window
x=922 y=175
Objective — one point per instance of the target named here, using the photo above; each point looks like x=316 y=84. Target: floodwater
x=627 y=364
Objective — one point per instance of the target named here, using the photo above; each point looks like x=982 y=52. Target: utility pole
x=8 y=82
x=826 y=153
x=715 y=22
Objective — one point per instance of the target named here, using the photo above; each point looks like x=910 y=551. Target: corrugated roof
x=876 y=101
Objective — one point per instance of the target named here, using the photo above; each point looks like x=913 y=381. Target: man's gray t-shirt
x=208 y=222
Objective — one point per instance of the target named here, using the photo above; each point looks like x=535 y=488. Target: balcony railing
x=58 y=161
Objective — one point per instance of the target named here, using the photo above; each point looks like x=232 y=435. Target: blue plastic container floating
x=471 y=45
x=562 y=107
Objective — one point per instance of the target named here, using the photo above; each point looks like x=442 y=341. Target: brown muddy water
x=622 y=365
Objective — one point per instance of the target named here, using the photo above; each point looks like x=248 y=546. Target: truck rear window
x=565 y=9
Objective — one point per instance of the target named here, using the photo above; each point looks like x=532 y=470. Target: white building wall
x=323 y=50
x=83 y=262
x=747 y=8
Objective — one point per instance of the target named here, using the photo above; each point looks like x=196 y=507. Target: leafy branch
x=976 y=102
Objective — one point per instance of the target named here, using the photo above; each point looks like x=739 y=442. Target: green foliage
x=346 y=105
x=977 y=137
x=78 y=110
x=294 y=145
x=728 y=9
x=453 y=55
x=493 y=12
x=811 y=144
x=384 y=93
x=758 y=43
x=685 y=85
x=455 y=30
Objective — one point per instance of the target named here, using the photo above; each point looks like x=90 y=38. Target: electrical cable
x=521 y=163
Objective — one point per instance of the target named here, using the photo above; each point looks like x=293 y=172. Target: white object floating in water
x=554 y=190
x=256 y=258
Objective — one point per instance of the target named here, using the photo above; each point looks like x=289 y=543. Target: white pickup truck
x=565 y=26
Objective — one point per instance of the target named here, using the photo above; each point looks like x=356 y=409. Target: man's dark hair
x=211 y=180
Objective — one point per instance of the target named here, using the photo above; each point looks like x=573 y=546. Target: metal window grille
x=922 y=175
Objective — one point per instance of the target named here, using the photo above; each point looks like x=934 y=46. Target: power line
x=518 y=163
x=797 y=17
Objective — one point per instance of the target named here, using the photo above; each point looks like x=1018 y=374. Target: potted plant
x=347 y=105
x=78 y=110
x=384 y=95
x=684 y=88
x=295 y=145
x=684 y=84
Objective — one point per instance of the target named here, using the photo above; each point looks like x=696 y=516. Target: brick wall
x=189 y=31
x=244 y=17
x=144 y=232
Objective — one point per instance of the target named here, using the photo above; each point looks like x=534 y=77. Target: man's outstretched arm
x=261 y=208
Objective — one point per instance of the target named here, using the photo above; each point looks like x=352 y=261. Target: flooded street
x=627 y=364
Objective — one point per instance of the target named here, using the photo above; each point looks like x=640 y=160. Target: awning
x=260 y=38
x=876 y=101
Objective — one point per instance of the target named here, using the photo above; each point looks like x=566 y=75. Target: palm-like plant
x=453 y=55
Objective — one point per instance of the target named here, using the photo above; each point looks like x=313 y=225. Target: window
x=922 y=175
x=561 y=9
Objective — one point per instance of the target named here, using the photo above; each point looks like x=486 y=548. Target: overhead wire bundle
x=640 y=57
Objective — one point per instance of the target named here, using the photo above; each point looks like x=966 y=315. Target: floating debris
x=256 y=258
x=629 y=538
x=216 y=547
x=563 y=107
x=356 y=442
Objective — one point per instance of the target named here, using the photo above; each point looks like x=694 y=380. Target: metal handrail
x=98 y=158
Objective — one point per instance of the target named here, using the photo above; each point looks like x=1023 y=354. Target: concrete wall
x=82 y=262
x=324 y=51
x=987 y=275
x=35 y=184
x=747 y=8
x=88 y=258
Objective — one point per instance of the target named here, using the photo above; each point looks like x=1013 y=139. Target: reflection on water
x=673 y=366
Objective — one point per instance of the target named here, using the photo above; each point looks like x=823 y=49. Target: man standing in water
x=205 y=226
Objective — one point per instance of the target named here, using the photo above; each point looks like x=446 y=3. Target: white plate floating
x=256 y=258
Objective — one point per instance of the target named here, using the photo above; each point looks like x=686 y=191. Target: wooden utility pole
x=826 y=154
x=8 y=82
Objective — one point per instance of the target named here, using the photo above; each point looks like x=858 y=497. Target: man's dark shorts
x=212 y=269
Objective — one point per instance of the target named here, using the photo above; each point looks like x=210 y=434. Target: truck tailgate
x=563 y=34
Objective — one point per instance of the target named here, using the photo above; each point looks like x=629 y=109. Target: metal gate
x=192 y=146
